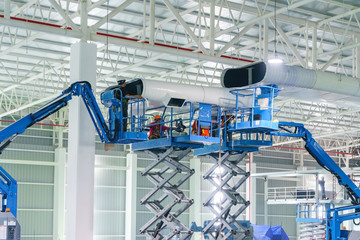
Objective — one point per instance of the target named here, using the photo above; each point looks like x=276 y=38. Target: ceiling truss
x=184 y=41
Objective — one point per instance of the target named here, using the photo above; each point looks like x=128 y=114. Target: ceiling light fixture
x=275 y=59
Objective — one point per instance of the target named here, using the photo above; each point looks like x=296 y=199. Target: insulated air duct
x=262 y=73
x=174 y=94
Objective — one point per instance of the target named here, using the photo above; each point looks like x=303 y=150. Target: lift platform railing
x=208 y=121
x=137 y=119
x=208 y=117
x=114 y=100
x=290 y=193
x=261 y=109
x=312 y=212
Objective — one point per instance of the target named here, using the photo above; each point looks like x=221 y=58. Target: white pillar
x=81 y=148
x=59 y=194
x=317 y=188
x=7 y=9
x=314 y=48
x=358 y=58
x=195 y=194
x=301 y=159
x=266 y=186
x=266 y=39
x=131 y=187
x=251 y=191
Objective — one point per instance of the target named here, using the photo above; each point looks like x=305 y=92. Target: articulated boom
x=82 y=89
x=319 y=154
x=110 y=134
x=335 y=216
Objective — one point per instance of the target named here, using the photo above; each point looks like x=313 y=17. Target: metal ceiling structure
x=184 y=41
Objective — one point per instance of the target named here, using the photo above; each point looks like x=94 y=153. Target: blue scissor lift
x=166 y=201
x=244 y=131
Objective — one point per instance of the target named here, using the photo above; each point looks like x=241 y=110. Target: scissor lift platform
x=257 y=126
x=131 y=137
x=166 y=142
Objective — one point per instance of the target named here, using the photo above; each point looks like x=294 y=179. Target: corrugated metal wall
x=30 y=160
x=280 y=215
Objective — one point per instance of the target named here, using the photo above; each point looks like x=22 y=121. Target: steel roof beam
x=264 y=16
x=195 y=38
x=111 y=14
x=65 y=16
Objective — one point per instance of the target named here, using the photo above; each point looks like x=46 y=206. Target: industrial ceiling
x=184 y=41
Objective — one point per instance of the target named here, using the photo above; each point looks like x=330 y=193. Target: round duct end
x=243 y=76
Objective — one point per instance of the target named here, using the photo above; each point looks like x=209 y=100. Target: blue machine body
x=8 y=190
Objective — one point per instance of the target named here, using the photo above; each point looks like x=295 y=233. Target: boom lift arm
x=318 y=153
x=82 y=89
x=335 y=216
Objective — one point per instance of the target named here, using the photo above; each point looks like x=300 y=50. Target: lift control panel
x=9 y=227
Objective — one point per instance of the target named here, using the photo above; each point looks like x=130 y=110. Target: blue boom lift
x=112 y=133
x=335 y=216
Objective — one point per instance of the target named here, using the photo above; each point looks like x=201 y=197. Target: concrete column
x=314 y=48
x=81 y=149
x=59 y=194
x=7 y=9
x=317 y=187
x=195 y=193
x=266 y=39
x=131 y=187
x=301 y=159
x=358 y=58
x=251 y=191
x=266 y=186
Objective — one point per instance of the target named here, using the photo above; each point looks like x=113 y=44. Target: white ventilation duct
x=174 y=94
x=292 y=80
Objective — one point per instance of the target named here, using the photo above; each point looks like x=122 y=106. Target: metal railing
x=314 y=211
x=290 y=193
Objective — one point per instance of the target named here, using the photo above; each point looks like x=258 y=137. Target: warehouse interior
x=48 y=45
